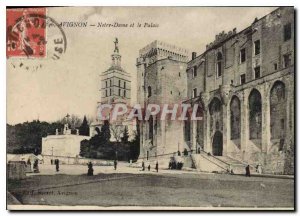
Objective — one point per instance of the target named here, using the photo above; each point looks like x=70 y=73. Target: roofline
x=263 y=17
x=167 y=59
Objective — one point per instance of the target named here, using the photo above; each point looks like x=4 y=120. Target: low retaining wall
x=76 y=160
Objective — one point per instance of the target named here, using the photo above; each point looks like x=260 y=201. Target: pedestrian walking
x=143 y=166
x=247 y=171
x=115 y=164
x=90 y=169
x=156 y=166
x=57 y=165
x=36 y=166
x=149 y=167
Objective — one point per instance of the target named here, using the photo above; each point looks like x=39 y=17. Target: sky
x=48 y=89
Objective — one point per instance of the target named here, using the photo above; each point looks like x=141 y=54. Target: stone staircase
x=206 y=163
x=220 y=164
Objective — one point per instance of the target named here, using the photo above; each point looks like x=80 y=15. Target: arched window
x=219 y=64
x=255 y=114
x=149 y=91
x=235 y=118
x=216 y=115
x=278 y=110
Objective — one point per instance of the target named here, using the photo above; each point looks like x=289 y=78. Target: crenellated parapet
x=219 y=38
x=158 y=50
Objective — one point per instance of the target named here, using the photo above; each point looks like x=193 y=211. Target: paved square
x=154 y=189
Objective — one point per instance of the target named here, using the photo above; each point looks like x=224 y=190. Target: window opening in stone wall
x=255 y=114
x=235 y=118
x=242 y=55
x=287 y=31
x=278 y=110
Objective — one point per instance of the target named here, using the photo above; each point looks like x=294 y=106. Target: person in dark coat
x=156 y=166
x=115 y=164
x=143 y=166
x=149 y=167
x=36 y=166
x=90 y=169
x=57 y=165
x=247 y=171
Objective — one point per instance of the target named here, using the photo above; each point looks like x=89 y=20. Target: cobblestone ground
x=132 y=187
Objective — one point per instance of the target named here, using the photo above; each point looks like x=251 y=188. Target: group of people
x=56 y=163
x=149 y=166
x=174 y=165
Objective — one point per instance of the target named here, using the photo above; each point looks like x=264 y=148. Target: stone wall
x=274 y=152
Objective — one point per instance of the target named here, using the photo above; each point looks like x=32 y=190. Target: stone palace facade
x=244 y=83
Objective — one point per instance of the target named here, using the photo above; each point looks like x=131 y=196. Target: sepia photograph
x=150 y=108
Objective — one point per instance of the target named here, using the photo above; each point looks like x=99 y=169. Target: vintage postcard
x=150 y=108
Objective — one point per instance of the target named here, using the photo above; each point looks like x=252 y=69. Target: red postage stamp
x=26 y=32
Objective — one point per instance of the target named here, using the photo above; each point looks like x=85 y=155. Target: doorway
x=217 y=145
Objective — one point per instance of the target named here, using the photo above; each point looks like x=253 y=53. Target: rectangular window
x=243 y=79
x=275 y=66
x=106 y=93
x=242 y=55
x=110 y=84
x=124 y=93
x=106 y=84
x=119 y=92
x=219 y=69
x=194 y=92
x=257 y=72
x=282 y=124
x=194 y=71
x=287 y=60
x=119 y=83
x=287 y=31
x=124 y=85
x=110 y=92
x=257 y=47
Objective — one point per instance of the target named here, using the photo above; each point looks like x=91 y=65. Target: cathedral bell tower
x=115 y=81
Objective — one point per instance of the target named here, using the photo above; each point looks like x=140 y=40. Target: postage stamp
x=25 y=33
x=31 y=33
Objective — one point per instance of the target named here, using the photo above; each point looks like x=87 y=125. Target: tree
x=27 y=137
x=117 y=132
x=73 y=120
x=125 y=136
x=105 y=132
x=85 y=148
x=135 y=145
x=84 y=127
